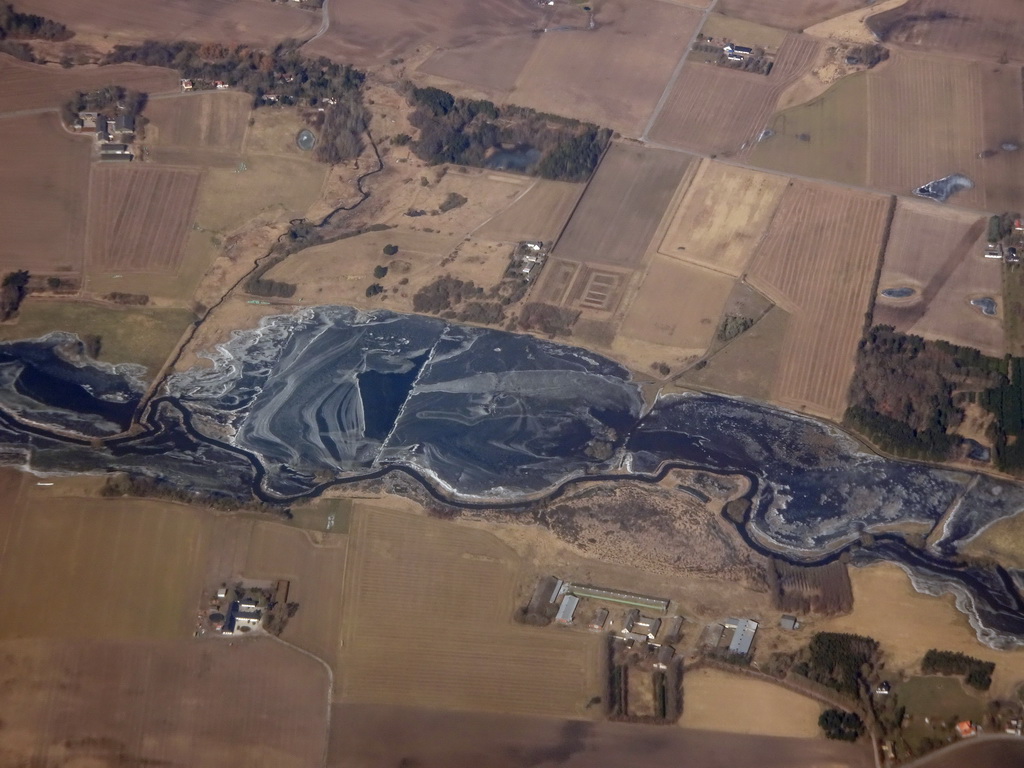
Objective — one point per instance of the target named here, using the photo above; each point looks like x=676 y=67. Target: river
x=484 y=418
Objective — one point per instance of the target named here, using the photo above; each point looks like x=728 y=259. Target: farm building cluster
x=528 y=259
x=114 y=135
x=246 y=607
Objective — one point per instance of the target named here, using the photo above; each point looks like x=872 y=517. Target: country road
x=325 y=24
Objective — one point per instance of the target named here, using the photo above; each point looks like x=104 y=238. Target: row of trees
x=467 y=131
x=29 y=26
x=976 y=673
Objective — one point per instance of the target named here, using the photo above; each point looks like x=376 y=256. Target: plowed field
x=139 y=217
x=720 y=110
x=818 y=261
x=428 y=622
x=788 y=14
x=31 y=86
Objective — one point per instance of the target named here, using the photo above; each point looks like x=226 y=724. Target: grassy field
x=428 y=622
x=88 y=567
x=1002 y=541
x=720 y=701
x=824 y=138
x=381 y=736
x=932 y=704
x=211 y=120
x=44 y=174
x=128 y=702
x=722 y=217
x=491 y=65
x=908 y=624
x=818 y=261
x=142 y=335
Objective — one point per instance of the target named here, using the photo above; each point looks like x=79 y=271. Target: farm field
x=623 y=205
x=818 y=261
x=720 y=110
x=678 y=306
x=890 y=129
x=89 y=567
x=314 y=563
x=723 y=217
x=379 y=736
x=749 y=365
x=45 y=174
x=788 y=14
x=213 y=121
x=722 y=701
x=491 y=65
x=992 y=752
x=142 y=335
x=883 y=591
x=33 y=86
x=581 y=73
x=540 y=214
x=230 y=22
x=938 y=253
x=993 y=29
x=197 y=703
x=453 y=589
x=365 y=34
x=139 y=217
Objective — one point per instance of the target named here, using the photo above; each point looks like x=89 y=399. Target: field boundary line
x=330 y=690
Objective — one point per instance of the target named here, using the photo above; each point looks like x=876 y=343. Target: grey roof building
x=743 y=634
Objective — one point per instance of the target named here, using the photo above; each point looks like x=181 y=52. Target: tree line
x=908 y=395
x=29 y=26
x=467 y=131
x=976 y=673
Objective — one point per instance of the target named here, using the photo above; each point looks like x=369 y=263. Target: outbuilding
x=567 y=609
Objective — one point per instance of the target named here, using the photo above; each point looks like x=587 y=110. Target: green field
x=943 y=700
x=825 y=138
x=131 y=335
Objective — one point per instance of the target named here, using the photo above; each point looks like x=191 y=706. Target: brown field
x=582 y=286
x=996 y=751
x=453 y=589
x=722 y=701
x=623 y=206
x=882 y=592
x=540 y=214
x=314 y=563
x=719 y=110
x=32 y=86
x=990 y=29
x=937 y=252
x=679 y=305
x=890 y=129
x=788 y=14
x=376 y=736
x=818 y=261
x=139 y=217
x=492 y=65
x=366 y=33
x=196 y=703
x=213 y=121
x=44 y=173
x=723 y=217
x=230 y=22
x=581 y=73
x=89 y=567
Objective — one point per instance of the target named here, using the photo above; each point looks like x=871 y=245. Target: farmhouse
x=742 y=635
x=567 y=609
x=738 y=51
